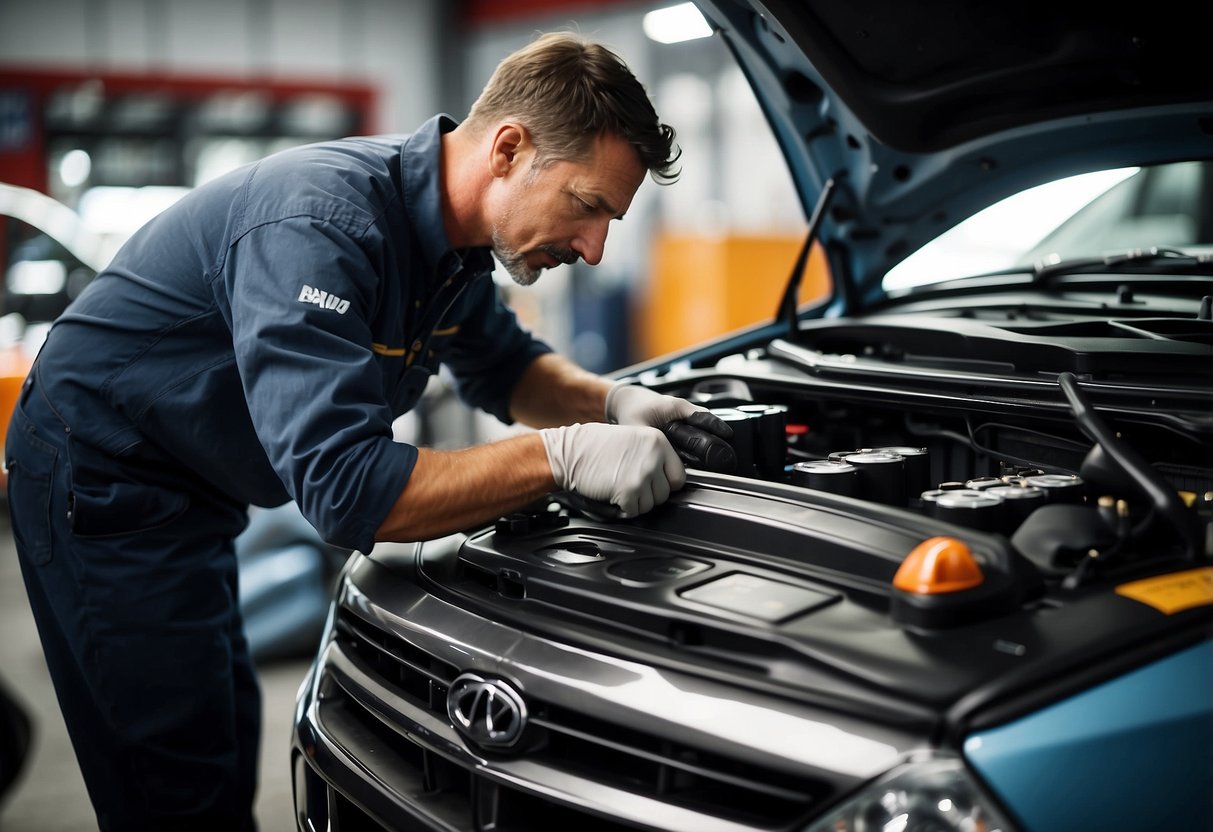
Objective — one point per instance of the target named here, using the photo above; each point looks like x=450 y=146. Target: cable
x=1161 y=495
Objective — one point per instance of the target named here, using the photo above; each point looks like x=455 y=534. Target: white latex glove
x=631 y=404
x=634 y=468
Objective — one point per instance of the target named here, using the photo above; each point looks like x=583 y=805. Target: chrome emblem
x=488 y=712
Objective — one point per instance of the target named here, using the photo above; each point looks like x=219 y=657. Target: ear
x=509 y=146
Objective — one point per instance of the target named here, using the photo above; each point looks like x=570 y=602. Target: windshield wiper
x=1154 y=260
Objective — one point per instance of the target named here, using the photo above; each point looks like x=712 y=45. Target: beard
x=514 y=260
x=515 y=263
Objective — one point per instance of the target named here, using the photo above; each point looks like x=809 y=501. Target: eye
x=583 y=206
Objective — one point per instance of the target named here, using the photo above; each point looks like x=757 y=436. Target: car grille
x=560 y=739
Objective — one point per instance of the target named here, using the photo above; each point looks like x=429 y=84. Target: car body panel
x=432 y=641
x=1140 y=741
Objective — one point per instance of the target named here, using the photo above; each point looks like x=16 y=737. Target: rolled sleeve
x=301 y=291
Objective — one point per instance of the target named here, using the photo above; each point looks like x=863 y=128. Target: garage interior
x=111 y=110
x=114 y=108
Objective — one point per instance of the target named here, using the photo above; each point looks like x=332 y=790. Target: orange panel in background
x=702 y=287
x=14 y=366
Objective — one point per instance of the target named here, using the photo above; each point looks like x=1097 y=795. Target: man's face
x=560 y=212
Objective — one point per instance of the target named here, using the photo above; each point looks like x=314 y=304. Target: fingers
x=633 y=467
x=673 y=474
x=631 y=404
x=705 y=420
x=658 y=471
x=701 y=449
x=630 y=504
x=652 y=492
x=676 y=408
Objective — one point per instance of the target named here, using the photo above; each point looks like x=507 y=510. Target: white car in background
x=51 y=251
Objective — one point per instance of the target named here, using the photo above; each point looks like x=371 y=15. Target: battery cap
x=938 y=565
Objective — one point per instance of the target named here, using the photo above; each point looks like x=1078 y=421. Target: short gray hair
x=567 y=91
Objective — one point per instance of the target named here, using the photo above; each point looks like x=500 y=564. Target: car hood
x=923 y=114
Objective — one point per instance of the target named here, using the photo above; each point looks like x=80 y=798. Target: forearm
x=554 y=391
x=453 y=490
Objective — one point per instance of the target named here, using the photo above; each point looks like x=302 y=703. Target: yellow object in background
x=703 y=286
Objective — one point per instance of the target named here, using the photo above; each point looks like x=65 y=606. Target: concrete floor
x=50 y=795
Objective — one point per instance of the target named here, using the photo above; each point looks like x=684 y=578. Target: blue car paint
x=1132 y=754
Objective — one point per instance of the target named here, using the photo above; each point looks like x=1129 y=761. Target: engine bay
x=1042 y=503
x=980 y=423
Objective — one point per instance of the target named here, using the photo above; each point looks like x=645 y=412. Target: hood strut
x=787 y=305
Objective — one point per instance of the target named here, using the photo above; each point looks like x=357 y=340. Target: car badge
x=488 y=712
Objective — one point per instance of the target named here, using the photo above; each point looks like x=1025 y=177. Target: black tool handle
x=701 y=449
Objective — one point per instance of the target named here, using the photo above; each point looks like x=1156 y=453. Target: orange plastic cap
x=938 y=564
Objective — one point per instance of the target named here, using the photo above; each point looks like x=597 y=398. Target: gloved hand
x=631 y=404
x=635 y=468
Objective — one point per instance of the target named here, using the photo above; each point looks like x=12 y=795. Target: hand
x=631 y=404
x=635 y=468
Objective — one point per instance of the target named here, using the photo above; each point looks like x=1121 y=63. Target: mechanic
x=254 y=343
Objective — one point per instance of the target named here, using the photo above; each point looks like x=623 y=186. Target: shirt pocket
x=438 y=345
x=420 y=362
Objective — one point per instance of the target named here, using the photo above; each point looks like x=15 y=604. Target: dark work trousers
x=133 y=588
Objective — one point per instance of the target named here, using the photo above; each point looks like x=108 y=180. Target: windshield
x=1081 y=216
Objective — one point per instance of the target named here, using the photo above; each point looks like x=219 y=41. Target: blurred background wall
x=116 y=107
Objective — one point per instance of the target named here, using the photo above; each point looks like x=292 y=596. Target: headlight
x=931 y=793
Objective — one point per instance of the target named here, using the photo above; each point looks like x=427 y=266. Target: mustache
x=564 y=255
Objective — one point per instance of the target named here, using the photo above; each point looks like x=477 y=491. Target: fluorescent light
x=676 y=23
x=37 y=277
x=74 y=168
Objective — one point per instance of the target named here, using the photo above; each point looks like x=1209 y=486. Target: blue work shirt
x=255 y=341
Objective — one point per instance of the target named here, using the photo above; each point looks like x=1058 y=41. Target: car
x=49 y=253
x=954 y=571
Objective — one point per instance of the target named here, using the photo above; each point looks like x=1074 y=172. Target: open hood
x=925 y=113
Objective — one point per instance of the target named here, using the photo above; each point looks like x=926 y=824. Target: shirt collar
x=420 y=158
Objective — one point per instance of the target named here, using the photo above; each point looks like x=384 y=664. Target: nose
x=591 y=242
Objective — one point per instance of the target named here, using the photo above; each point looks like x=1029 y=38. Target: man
x=253 y=345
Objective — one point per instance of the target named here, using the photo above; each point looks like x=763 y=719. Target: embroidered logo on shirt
x=323 y=299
